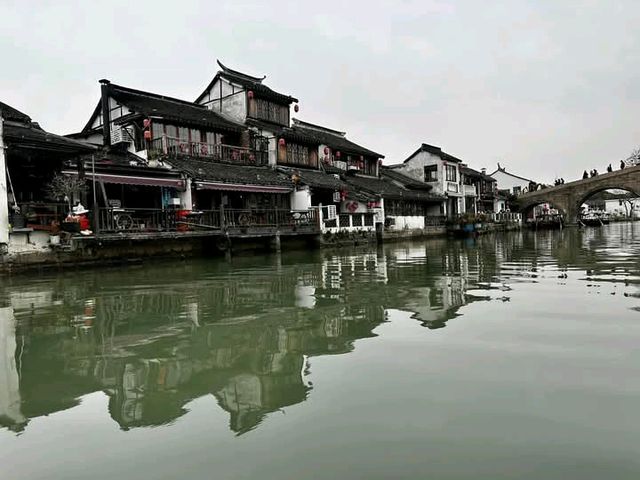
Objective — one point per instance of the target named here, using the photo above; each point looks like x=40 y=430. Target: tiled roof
x=307 y=133
x=470 y=172
x=151 y=104
x=325 y=181
x=249 y=83
x=227 y=173
x=408 y=182
x=387 y=189
x=31 y=136
x=10 y=113
x=432 y=149
x=504 y=170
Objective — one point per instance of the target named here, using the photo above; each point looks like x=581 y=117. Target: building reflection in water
x=245 y=335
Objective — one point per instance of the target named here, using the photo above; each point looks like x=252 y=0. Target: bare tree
x=633 y=158
x=65 y=187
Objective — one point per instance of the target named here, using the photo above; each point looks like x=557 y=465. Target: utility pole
x=4 y=202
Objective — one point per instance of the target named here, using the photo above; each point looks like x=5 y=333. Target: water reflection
x=155 y=338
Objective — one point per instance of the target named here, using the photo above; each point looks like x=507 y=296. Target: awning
x=132 y=179
x=239 y=187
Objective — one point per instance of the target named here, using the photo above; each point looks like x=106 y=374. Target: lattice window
x=357 y=220
x=344 y=221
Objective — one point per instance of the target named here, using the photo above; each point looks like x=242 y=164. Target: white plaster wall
x=499 y=205
x=234 y=105
x=408 y=223
x=301 y=199
x=273 y=150
x=507 y=182
x=414 y=168
x=186 y=198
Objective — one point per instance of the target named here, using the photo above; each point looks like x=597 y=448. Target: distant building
x=514 y=184
x=431 y=165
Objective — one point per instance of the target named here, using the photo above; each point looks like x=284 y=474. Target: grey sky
x=545 y=87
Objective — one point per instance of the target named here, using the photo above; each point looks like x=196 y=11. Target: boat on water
x=595 y=219
x=545 y=222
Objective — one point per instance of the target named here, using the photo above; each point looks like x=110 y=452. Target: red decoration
x=338 y=154
x=234 y=155
x=250 y=94
x=379 y=161
x=147 y=135
x=203 y=149
x=281 y=142
x=326 y=150
x=362 y=158
x=296 y=108
x=252 y=157
x=146 y=123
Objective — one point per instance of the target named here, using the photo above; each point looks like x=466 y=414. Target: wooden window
x=431 y=173
x=450 y=173
x=269 y=111
x=294 y=154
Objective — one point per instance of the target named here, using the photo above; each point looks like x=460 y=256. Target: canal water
x=512 y=356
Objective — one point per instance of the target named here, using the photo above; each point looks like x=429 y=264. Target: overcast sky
x=546 y=88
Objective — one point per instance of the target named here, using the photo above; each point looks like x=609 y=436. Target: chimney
x=484 y=171
x=106 y=116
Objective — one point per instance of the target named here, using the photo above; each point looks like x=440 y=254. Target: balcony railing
x=216 y=152
x=148 y=220
x=469 y=190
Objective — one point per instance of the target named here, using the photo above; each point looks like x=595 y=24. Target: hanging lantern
x=147 y=134
x=362 y=158
x=296 y=108
x=379 y=161
x=146 y=123
x=326 y=150
x=250 y=94
x=338 y=154
x=281 y=142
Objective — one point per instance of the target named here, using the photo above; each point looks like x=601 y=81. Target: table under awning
x=240 y=187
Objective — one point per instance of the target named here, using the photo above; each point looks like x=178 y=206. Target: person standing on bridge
x=609 y=168
x=585 y=175
x=622 y=164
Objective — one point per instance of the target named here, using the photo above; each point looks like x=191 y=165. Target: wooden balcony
x=218 y=152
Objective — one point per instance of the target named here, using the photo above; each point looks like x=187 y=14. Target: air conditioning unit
x=331 y=212
x=120 y=135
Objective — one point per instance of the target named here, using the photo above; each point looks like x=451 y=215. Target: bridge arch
x=569 y=197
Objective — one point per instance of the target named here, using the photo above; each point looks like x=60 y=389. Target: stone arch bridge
x=569 y=197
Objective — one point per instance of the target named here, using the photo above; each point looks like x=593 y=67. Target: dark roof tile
x=151 y=104
x=408 y=182
x=227 y=173
x=387 y=189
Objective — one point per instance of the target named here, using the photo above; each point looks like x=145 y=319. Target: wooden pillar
x=4 y=201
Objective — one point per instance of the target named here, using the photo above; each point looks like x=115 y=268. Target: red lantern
x=326 y=150
x=362 y=158
x=146 y=123
x=379 y=161
x=296 y=108
x=281 y=142
x=338 y=154
x=147 y=135
x=250 y=94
